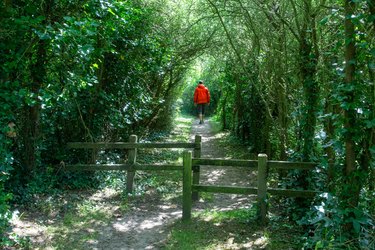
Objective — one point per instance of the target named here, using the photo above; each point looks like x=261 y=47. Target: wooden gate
x=262 y=165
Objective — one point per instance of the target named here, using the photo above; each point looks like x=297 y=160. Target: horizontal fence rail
x=292 y=165
x=225 y=162
x=293 y=192
x=254 y=163
x=95 y=167
x=254 y=190
x=131 y=164
x=128 y=145
x=225 y=189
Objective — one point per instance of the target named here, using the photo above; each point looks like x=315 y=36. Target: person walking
x=201 y=99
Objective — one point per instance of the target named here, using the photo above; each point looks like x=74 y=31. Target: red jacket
x=201 y=94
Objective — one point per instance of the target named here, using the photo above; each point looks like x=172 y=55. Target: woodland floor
x=147 y=221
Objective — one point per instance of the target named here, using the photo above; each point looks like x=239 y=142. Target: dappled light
x=230 y=229
x=138 y=229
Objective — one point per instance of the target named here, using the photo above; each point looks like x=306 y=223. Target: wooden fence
x=131 y=164
x=262 y=165
x=191 y=171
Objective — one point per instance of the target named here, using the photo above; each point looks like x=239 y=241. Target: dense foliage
x=82 y=71
x=295 y=80
x=292 y=79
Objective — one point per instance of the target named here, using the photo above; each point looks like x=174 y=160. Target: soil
x=147 y=222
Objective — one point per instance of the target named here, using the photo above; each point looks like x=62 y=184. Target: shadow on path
x=221 y=175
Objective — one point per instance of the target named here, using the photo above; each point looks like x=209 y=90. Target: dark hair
x=200 y=82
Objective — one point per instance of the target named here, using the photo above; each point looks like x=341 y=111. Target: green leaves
x=324 y=20
x=370 y=124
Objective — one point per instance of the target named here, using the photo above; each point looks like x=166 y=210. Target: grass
x=79 y=226
x=235 y=229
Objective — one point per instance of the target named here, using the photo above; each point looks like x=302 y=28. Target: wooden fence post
x=132 y=158
x=262 y=187
x=196 y=168
x=186 y=188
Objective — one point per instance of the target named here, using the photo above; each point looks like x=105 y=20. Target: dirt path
x=147 y=221
x=224 y=175
x=146 y=226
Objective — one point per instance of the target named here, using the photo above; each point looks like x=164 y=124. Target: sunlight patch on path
x=139 y=230
x=221 y=175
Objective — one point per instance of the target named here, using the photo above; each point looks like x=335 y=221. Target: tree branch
x=268 y=111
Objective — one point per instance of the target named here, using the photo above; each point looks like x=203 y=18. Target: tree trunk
x=32 y=112
x=308 y=64
x=283 y=122
x=308 y=67
x=352 y=186
x=308 y=59
x=224 y=112
x=371 y=69
x=371 y=4
x=349 y=113
x=369 y=138
x=329 y=129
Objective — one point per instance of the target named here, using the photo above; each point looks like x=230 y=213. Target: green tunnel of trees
x=293 y=79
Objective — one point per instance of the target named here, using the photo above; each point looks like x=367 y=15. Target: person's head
x=200 y=82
